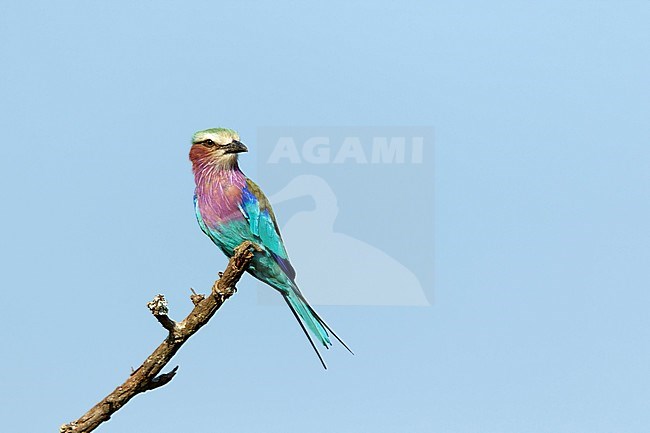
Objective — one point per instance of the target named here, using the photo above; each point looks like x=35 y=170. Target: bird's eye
x=208 y=143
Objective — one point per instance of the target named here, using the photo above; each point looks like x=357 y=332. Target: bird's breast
x=219 y=201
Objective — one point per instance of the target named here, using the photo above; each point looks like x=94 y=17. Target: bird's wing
x=256 y=208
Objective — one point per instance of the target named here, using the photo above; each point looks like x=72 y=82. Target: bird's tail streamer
x=309 y=319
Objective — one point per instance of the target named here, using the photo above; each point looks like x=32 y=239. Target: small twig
x=197 y=297
x=161 y=380
x=147 y=376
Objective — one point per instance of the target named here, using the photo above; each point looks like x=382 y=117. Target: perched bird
x=231 y=209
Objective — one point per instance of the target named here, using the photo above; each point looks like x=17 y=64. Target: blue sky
x=541 y=221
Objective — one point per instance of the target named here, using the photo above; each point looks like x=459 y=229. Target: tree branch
x=147 y=376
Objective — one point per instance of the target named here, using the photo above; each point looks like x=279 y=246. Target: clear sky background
x=539 y=321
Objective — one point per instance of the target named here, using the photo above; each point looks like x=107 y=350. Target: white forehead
x=219 y=137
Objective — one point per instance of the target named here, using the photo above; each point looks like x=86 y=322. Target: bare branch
x=147 y=376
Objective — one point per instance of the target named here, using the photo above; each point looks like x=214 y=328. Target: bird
x=230 y=209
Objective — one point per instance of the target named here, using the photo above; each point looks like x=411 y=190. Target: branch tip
x=67 y=428
x=158 y=305
x=159 y=309
x=161 y=380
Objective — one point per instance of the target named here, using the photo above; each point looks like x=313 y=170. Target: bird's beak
x=235 y=147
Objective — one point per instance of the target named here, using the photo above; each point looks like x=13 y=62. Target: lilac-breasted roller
x=231 y=209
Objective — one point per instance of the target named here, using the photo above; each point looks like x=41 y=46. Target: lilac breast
x=219 y=195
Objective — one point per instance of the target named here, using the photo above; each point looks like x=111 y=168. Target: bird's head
x=217 y=147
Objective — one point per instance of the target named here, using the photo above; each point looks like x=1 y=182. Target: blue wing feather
x=257 y=210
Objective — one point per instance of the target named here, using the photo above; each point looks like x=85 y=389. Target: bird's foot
x=244 y=252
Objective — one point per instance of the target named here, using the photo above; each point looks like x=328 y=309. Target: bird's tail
x=308 y=319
